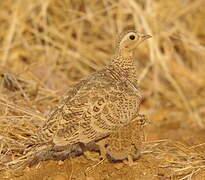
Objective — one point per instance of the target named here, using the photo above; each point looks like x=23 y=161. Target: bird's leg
x=100 y=158
x=132 y=156
x=91 y=151
x=95 y=151
x=101 y=145
x=130 y=161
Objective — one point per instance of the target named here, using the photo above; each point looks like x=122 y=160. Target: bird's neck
x=123 y=62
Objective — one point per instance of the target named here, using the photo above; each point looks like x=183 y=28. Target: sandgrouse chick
x=100 y=104
x=125 y=143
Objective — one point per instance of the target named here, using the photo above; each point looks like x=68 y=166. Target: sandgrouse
x=100 y=104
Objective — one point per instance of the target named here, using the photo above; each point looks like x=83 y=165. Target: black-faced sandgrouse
x=101 y=103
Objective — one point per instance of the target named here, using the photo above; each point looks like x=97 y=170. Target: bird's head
x=129 y=40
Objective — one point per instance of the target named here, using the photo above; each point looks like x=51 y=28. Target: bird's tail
x=35 y=153
x=30 y=157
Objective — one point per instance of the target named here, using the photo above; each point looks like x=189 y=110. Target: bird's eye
x=132 y=37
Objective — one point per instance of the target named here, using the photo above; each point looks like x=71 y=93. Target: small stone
x=60 y=163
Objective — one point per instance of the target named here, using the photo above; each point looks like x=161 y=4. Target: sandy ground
x=147 y=167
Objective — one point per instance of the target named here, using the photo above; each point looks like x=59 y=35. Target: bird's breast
x=117 y=106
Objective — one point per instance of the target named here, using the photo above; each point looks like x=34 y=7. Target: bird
x=126 y=143
x=97 y=105
x=101 y=103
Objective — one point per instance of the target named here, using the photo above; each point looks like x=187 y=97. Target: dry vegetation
x=46 y=45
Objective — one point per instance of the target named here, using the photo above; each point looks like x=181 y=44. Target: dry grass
x=184 y=161
x=46 y=45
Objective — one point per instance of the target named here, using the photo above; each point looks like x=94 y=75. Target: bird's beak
x=145 y=36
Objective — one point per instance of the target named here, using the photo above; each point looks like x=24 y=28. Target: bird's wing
x=49 y=127
x=74 y=113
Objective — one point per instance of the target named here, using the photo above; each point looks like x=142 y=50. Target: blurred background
x=47 y=45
